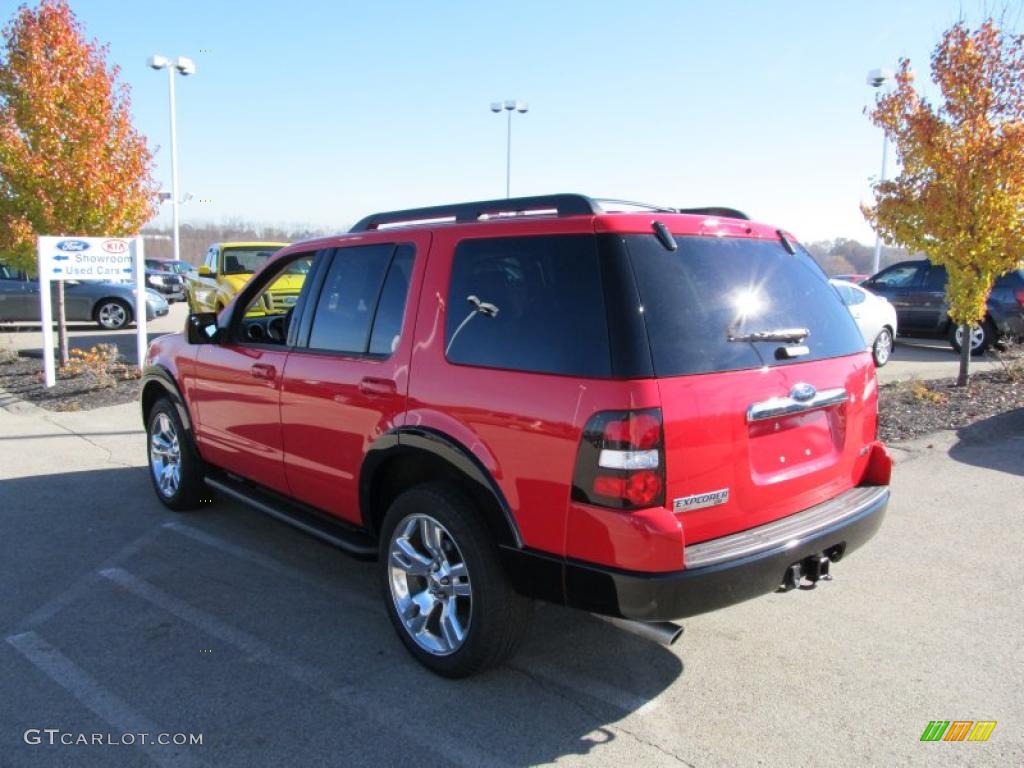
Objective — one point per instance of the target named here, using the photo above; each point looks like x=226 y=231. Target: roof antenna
x=664 y=236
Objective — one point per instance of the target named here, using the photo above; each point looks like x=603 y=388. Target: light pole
x=510 y=106
x=185 y=67
x=876 y=79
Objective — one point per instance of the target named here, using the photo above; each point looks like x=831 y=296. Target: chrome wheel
x=883 y=347
x=977 y=336
x=430 y=584
x=112 y=315
x=165 y=455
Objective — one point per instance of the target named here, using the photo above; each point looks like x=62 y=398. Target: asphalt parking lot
x=121 y=617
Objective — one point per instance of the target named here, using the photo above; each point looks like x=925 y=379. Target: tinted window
x=900 y=276
x=387 y=324
x=348 y=298
x=529 y=304
x=240 y=261
x=709 y=289
x=936 y=279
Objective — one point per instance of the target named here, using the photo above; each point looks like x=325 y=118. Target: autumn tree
x=71 y=162
x=959 y=196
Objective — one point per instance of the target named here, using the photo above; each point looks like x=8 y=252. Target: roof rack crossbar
x=608 y=201
x=563 y=204
x=717 y=210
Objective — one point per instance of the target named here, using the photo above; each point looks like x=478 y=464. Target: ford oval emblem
x=72 y=245
x=802 y=392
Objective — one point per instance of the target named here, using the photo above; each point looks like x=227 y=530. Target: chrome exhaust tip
x=661 y=632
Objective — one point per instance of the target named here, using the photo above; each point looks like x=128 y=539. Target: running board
x=342 y=535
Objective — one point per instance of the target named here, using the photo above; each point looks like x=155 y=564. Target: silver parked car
x=109 y=305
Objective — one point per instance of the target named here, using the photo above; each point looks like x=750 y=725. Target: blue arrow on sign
x=129 y=269
x=58 y=270
x=60 y=258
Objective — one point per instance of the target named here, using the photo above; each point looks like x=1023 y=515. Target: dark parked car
x=918 y=291
x=164 y=278
x=110 y=305
x=643 y=415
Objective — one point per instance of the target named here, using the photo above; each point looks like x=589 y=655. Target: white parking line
x=55 y=605
x=268 y=563
x=97 y=699
x=361 y=704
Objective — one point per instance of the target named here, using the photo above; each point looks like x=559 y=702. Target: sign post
x=90 y=258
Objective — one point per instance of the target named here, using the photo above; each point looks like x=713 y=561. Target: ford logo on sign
x=72 y=245
x=802 y=392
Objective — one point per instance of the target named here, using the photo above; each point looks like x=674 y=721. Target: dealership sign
x=117 y=259
x=86 y=258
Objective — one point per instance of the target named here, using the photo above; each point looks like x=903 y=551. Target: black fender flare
x=157 y=380
x=411 y=440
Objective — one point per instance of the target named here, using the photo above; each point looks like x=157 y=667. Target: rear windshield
x=713 y=288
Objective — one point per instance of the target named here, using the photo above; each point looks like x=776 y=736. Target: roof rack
x=567 y=204
x=562 y=205
x=716 y=210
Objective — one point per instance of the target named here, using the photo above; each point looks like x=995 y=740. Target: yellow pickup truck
x=229 y=266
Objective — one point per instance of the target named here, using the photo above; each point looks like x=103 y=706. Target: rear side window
x=348 y=299
x=936 y=280
x=528 y=304
x=709 y=289
x=387 y=325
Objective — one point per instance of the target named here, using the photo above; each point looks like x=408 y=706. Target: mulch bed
x=908 y=409
x=24 y=378
x=911 y=409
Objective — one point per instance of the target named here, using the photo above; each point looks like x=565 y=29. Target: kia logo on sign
x=115 y=246
x=72 y=245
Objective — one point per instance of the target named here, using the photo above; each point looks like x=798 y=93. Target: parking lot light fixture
x=184 y=67
x=879 y=78
x=509 y=106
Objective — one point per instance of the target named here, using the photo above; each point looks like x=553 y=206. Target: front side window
x=529 y=304
x=266 y=320
x=900 y=276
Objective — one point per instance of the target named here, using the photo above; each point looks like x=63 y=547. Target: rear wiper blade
x=782 y=334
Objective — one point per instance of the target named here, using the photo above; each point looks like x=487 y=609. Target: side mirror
x=205 y=271
x=201 y=328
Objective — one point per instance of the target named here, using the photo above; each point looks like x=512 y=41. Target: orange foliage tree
x=71 y=162
x=959 y=196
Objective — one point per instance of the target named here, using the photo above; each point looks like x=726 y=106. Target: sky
x=307 y=113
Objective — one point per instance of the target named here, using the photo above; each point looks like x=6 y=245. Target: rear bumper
x=722 y=571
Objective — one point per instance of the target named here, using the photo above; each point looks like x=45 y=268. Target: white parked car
x=875 y=317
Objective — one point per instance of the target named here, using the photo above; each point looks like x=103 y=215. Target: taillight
x=621 y=460
x=1020 y=297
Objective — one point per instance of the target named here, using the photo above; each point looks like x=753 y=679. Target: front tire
x=113 y=314
x=174 y=465
x=446 y=593
x=881 y=349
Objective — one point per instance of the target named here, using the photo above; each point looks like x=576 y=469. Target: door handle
x=263 y=371
x=374 y=386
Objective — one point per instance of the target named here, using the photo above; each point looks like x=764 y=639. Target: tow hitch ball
x=811 y=569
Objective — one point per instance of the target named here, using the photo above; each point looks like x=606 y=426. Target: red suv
x=643 y=413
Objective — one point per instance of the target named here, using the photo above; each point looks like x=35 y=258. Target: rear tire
x=175 y=468
x=446 y=593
